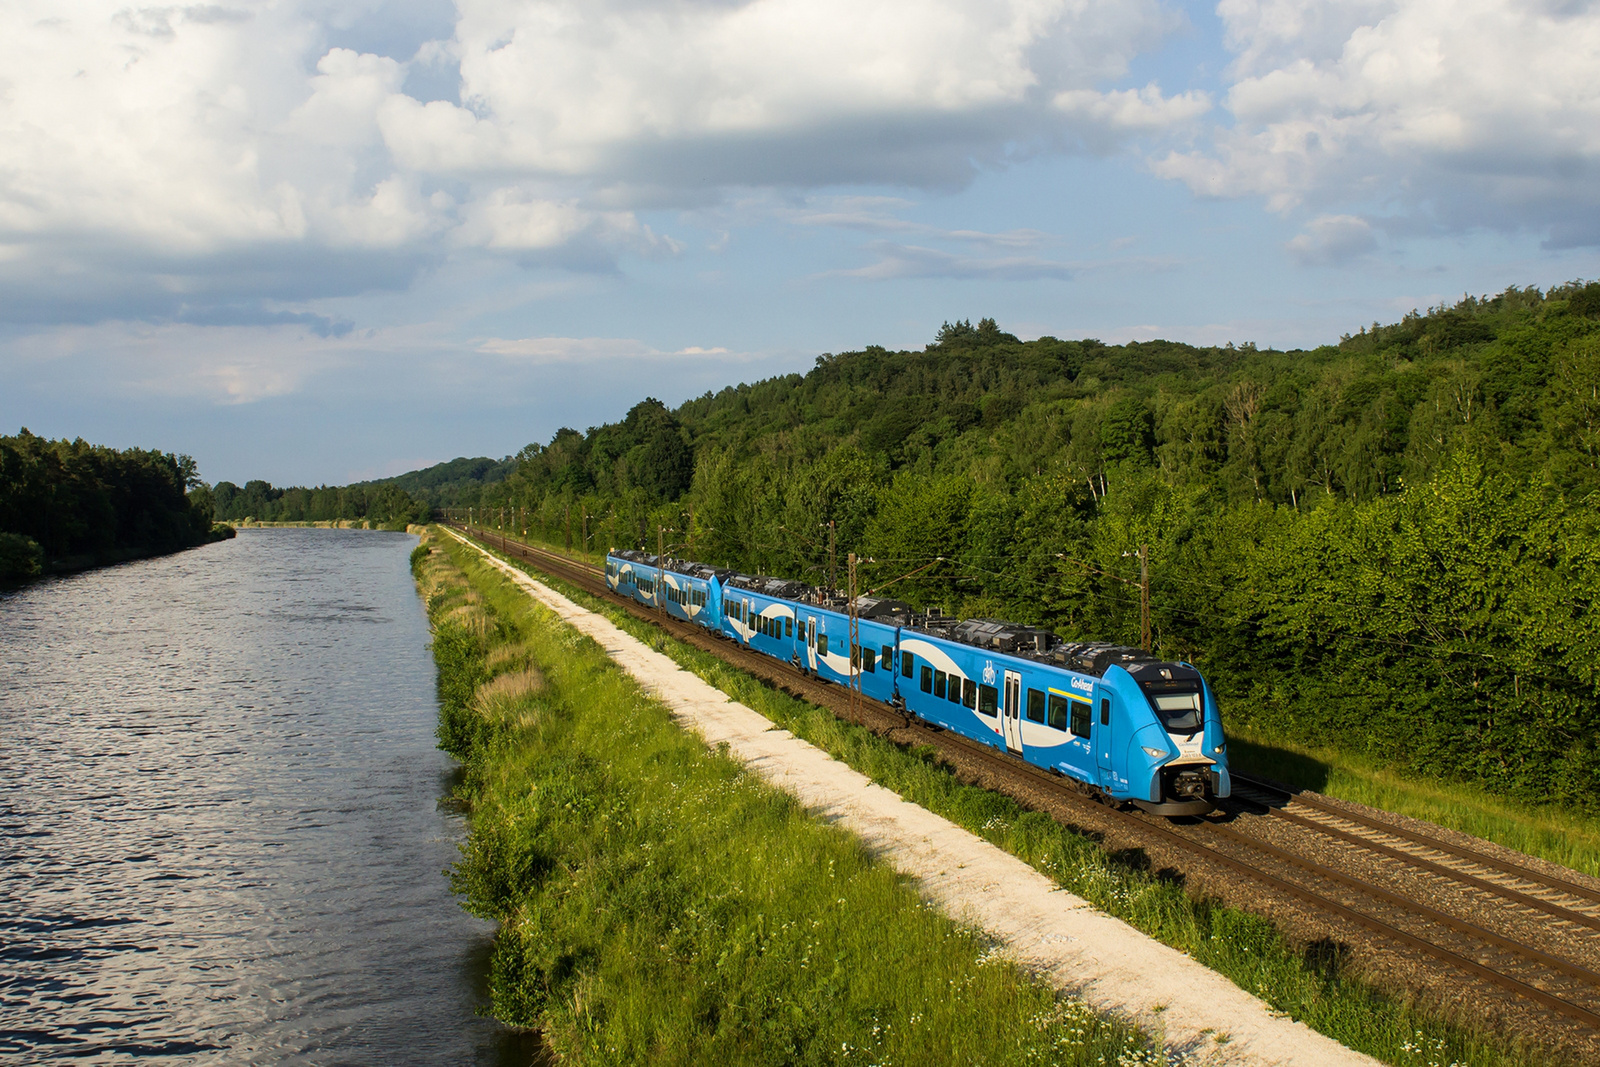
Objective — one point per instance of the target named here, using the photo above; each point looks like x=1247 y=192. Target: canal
x=222 y=828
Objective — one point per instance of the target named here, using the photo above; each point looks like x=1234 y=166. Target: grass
x=659 y=904
x=1313 y=983
x=1560 y=835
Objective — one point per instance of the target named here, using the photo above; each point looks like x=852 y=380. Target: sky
x=315 y=241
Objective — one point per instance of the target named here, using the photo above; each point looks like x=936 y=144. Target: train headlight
x=1153 y=753
x=1220 y=749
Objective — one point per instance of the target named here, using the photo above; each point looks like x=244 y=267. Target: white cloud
x=218 y=364
x=1332 y=239
x=158 y=158
x=1133 y=110
x=914 y=261
x=553 y=350
x=1448 y=114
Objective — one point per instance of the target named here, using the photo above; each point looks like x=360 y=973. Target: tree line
x=1386 y=544
x=65 y=505
x=380 y=503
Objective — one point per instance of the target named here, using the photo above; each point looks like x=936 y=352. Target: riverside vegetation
x=1311 y=983
x=67 y=505
x=657 y=904
x=1384 y=548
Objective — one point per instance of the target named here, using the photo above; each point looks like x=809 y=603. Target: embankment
x=658 y=903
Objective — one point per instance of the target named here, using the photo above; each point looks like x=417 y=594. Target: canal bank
x=1202 y=1016
x=661 y=903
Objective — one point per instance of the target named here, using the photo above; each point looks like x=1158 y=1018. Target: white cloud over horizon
x=237 y=204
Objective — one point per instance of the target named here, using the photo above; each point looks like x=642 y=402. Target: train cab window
x=927 y=678
x=1105 y=711
x=1082 y=716
x=955 y=689
x=788 y=626
x=939 y=679
x=907 y=662
x=988 y=701
x=1059 y=707
x=969 y=693
x=1035 y=706
x=888 y=659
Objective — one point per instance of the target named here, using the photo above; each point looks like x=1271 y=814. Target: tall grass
x=660 y=905
x=1315 y=983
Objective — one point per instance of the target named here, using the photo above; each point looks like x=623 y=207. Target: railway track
x=1236 y=840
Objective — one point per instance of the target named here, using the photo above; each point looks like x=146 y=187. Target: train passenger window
x=1035 y=706
x=1105 y=711
x=955 y=689
x=927 y=678
x=1059 y=707
x=822 y=645
x=939 y=678
x=855 y=655
x=907 y=661
x=788 y=626
x=888 y=659
x=988 y=701
x=969 y=693
x=867 y=661
x=1082 y=715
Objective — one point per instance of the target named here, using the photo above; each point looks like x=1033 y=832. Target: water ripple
x=220 y=831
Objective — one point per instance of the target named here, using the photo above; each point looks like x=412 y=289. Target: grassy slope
x=1309 y=984
x=660 y=905
x=1551 y=832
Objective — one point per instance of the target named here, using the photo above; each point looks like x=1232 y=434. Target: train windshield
x=1182 y=713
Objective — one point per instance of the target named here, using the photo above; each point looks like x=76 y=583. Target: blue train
x=1116 y=720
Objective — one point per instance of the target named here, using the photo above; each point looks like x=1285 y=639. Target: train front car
x=1167 y=752
x=1128 y=727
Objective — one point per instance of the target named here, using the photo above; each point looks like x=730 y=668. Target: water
x=221 y=837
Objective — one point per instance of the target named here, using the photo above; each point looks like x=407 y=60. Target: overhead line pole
x=1144 y=597
x=855 y=640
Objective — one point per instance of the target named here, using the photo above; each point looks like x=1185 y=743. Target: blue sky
x=312 y=241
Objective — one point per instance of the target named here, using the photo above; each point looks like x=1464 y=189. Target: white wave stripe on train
x=1060 y=937
x=937 y=658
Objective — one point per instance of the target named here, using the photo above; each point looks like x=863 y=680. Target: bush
x=21 y=558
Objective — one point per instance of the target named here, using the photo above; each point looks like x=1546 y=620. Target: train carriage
x=633 y=574
x=828 y=654
x=684 y=590
x=757 y=614
x=1113 y=718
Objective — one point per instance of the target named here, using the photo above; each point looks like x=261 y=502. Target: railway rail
x=1552 y=980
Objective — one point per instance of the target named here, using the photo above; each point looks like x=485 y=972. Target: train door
x=1011 y=713
x=1102 y=740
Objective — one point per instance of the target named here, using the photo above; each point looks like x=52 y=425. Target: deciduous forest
x=66 y=505
x=1387 y=544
